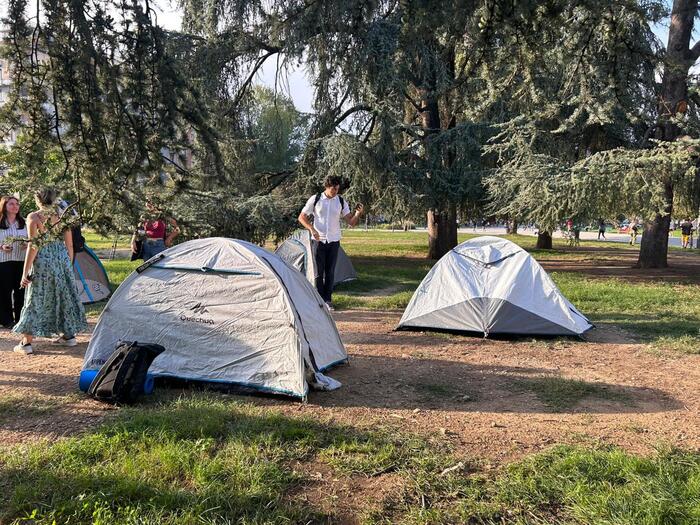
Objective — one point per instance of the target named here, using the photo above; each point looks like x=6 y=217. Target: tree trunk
x=512 y=227
x=544 y=241
x=679 y=58
x=442 y=232
x=653 y=250
x=442 y=223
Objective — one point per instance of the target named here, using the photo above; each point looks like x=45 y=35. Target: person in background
x=326 y=209
x=51 y=305
x=156 y=238
x=634 y=230
x=576 y=230
x=601 y=229
x=13 y=228
x=686 y=233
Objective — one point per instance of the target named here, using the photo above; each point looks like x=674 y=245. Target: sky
x=295 y=83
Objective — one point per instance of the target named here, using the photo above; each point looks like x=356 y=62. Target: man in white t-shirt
x=327 y=208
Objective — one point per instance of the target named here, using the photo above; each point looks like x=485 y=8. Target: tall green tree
x=596 y=78
x=421 y=83
x=278 y=130
x=673 y=120
x=95 y=81
x=640 y=175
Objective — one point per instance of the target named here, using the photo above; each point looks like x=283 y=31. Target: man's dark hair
x=332 y=180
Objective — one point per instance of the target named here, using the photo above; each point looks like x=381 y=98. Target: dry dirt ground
x=480 y=394
x=684 y=266
x=483 y=396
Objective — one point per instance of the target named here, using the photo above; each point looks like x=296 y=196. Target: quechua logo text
x=198 y=309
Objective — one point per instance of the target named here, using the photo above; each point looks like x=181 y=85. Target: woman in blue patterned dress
x=51 y=304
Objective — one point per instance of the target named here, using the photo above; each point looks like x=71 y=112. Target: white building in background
x=178 y=160
x=5 y=86
x=9 y=138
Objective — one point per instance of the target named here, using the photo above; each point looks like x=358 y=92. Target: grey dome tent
x=226 y=311
x=299 y=250
x=491 y=285
x=91 y=281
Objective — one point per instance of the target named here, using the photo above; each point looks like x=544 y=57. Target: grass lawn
x=99 y=242
x=202 y=458
x=209 y=459
x=666 y=315
x=391 y=265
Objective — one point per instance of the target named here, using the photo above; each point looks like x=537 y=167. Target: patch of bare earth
x=475 y=391
x=343 y=498
x=684 y=267
x=39 y=395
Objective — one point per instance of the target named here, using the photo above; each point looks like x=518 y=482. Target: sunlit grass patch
x=666 y=314
x=685 y=344
x=99 y=242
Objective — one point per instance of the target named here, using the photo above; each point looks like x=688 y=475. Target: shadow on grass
x=43 y=383
x=12 y=406
x=561 y=395
x=381 y=273
x=426 y=336
x=655 y=328
x=661 y=328
x=94 y=310
x=409 y=383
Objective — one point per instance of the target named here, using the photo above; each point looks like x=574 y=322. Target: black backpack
x=78 y=239
x=318 y=198
x=121 y=379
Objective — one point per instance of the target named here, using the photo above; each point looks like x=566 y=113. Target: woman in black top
x=13 y=228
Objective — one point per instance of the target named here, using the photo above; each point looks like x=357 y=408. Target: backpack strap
x=318 y=198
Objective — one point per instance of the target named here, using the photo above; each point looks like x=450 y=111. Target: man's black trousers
x=326 y=256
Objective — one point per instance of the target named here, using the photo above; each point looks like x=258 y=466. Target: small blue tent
x=91 y=281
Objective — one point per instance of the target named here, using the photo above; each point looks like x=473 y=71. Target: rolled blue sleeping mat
x=88 y=376
x=85 y=379
x=149 y=384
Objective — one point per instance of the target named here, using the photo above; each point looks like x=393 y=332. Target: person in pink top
x=154 y=232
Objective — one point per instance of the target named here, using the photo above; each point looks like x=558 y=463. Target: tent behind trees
x=226 y=311
x=299 y=251
x=91 y=281
x=492 y=286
